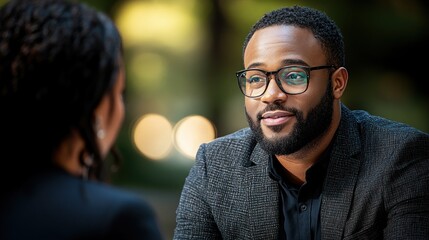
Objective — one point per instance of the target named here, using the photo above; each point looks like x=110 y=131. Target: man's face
x=283 y=123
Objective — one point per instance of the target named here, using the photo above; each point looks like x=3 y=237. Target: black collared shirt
x=300 y=205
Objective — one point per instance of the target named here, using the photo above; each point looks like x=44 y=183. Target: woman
x=61 y=85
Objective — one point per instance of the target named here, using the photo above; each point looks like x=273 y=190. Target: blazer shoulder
x=234 y=148
x=241 y=140
x=380 y=131
x=244 y=133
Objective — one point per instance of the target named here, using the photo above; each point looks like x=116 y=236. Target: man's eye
x=256 y=79
x=295 y=78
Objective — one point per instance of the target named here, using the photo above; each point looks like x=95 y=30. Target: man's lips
x=273 y=118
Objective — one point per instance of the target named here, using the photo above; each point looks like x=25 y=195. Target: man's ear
x=339 y=80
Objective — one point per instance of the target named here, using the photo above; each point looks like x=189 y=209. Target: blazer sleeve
x=407 y=191
x=193 y=218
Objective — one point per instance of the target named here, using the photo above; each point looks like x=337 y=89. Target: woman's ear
x=339 y=80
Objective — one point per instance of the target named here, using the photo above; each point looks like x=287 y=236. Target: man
x=308 y=167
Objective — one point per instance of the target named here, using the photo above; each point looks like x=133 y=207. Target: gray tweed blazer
x=377 y=186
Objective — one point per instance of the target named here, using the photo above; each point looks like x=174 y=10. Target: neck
x=68 y=153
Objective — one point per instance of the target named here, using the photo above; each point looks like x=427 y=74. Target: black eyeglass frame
x=307 y=70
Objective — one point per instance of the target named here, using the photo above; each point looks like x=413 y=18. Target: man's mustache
x=274 y=107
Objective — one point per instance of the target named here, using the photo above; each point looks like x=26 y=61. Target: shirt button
x=303 y=207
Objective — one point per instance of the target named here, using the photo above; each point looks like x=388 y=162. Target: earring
x=86 y=163
x=99 y=131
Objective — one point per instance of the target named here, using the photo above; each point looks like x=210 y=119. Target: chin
x=274 y=132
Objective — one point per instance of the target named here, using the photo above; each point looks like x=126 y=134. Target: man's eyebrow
x=285 y=62
x=294 y=62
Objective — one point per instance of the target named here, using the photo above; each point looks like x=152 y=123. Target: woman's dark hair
x=57 y=59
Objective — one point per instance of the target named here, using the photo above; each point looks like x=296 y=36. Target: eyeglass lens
x=293 y=80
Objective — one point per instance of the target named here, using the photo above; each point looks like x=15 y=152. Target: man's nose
x=273 y=93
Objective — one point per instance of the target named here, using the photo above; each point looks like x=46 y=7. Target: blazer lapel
x=341 y=178
x=263 y=196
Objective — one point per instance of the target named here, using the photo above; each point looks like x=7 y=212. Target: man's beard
x=304 y=132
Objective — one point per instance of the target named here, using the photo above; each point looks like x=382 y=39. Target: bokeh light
x=191 y=132
x=155 y=137
x=152 y=136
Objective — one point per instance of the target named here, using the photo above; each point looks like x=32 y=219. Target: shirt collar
x=316 y=173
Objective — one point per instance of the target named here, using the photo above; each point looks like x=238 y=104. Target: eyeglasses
x=291 y=80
